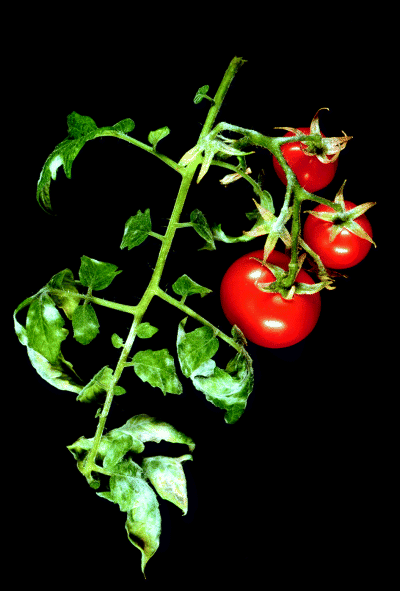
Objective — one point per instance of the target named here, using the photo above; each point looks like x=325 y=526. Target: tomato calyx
x=277 y=286
x=272 y=226
x=344 y=219
x=317 y=145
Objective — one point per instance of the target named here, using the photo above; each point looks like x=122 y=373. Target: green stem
x=153 y=286
x=179 y=304
x=98 y=301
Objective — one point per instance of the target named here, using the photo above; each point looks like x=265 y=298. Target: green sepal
x=99 y=384
x=137 y=228
x=85 y=324
x=168 y=478
x=145 y=330
x=158 y=369
x=80 y=130
x=200 y=224
x=157 y=135
x=185 y=286
x=95 y=274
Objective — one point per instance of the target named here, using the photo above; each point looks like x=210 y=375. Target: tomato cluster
x=340 y=238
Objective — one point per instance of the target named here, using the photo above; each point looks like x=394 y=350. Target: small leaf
x=98 y=384
x=195 y=349
x=156 y=136
x=168 y=478
x=85 y=324
x=96 y=274
x=220 y=235
x=117 y=342
x=124 y=126
x=137 y=228
x=145 y=428
x=185 y=286
x=145 y=330
x=44 y=327
x=69 y=301
x=200 y=94
x=158 y=369
x=201 y=226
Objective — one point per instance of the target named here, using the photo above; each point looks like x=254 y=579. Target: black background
x=289 y=490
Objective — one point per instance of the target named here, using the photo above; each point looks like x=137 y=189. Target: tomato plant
x=314 y=164
x=340 y=238
x=267 y=319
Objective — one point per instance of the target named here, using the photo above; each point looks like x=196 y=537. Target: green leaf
x=56 y=373
x=80 y=130
x=201 y=226
x=98 y=384
x=220 y=235
x=185 y=286
x=229 y=389
x=195 y=349
x=159 y=134
x=137 y=228
x=44 y=327
x=85 y=324
x=157 y=368
x=168 y=478
x=145 y=428
x=117 y=342
x=145 y=330
x=69 y=301
x=95 y=274
x=200 y=94
x=119 y=445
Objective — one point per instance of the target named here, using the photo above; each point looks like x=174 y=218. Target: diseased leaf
x=96 y=274
x=98 y=384
x=136 y=230
x=158 y=369
x=195 y=349
x=44 y=327
x=56 y=374
x=68 y=301
x=85 y=324
x=168 y=478
x=145 y=428
x=185 y=286
x=119 y=445
x=201 y=226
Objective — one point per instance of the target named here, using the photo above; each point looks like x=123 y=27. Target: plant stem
x=153 y=286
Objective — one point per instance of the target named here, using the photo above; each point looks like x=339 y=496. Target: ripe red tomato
x=311 y=173
x=346 y=250
x=267 y=319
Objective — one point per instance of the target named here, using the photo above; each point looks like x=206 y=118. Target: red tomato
x=267 y=319
x=346 y=250
x=310 y=172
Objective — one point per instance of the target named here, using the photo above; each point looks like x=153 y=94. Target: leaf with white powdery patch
x=168 y=478
x=158 y=369
x=96 y=274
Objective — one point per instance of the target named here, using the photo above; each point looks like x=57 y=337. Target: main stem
x=153 y=287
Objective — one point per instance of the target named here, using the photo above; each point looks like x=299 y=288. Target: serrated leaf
x=69 y=301
x=96 y=274
x=157 y=135
x=44 y=327
x=195 y=349
x=168 y=478
x=201 y=226
x=146 y=428
x=158 y=369
x=98 y=384
x=229 y=389
x=137 y=228
x=85 y=324
x=185 y=286
x=145 y=330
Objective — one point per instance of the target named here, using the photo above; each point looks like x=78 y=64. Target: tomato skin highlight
x=346 y=250
x=267 y=319
x=312 y=174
